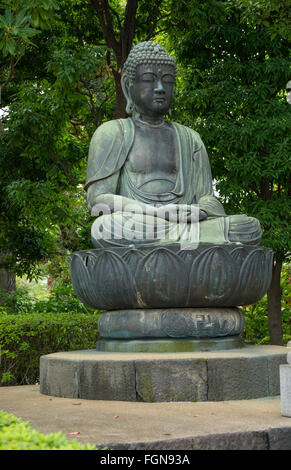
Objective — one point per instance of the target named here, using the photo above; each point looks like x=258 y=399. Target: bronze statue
x=167 y=263
x=156 y=165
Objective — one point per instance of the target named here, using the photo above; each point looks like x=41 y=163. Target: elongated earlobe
x=125 y=85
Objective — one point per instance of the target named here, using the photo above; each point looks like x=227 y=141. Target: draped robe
x=107 y=173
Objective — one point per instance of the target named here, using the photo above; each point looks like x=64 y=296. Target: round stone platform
x=236 y=374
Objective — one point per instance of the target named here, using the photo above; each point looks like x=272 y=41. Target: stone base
x=285 y=384
x=237 y=374
x=171 y=323
x=169 y=345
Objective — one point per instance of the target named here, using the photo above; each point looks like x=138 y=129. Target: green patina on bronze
x=155 y=163
x=146 y=179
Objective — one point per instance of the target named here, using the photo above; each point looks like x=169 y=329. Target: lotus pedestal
x=166 y=299
x=172 y=328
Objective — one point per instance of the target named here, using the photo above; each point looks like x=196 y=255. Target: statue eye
x=148 y=77
x=168 y=78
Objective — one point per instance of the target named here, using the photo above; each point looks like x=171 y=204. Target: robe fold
x=107 y=173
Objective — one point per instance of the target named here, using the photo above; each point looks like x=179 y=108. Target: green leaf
x=3 y=22
x=21 y=18
x=30 y=31
x=9 y=16
x=10 y=46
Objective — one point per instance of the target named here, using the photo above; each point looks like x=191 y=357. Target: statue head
x=148 y=78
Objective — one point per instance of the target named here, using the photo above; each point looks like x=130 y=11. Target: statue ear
x=126 y=85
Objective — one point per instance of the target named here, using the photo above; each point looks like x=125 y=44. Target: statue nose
x=159 y=87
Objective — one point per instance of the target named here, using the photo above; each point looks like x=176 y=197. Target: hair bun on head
x=147 y=52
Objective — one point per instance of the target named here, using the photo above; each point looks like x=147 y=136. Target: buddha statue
x=146 y=176
x=168 y=264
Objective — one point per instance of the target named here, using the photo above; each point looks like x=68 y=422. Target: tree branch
x=128 y=29
x=116 y=16
x=2 y=130
x=110 y=65
x=155 y=33
x=69 y=216
x=103 y=13
x=11 y=73
x=82 y=35
x=4 y=84
x=156 y=19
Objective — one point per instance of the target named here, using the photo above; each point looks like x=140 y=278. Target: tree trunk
x=120 y=105
x=7 y=279
x=274 y=306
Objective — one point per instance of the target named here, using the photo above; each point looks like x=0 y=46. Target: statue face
x=152 y=91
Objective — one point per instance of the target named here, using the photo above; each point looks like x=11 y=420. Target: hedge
x=24 y=338
x=18 y=435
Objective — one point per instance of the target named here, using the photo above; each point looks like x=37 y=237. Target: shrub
x=60 y=299
x=18 y=435
x=18 y=301
x=24 y=338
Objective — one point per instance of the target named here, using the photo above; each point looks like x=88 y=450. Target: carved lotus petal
x=255 y=275
x=132 y=258
x=189 y=257
x=90 y=260
x=103 y=280
x=81 y=277
x=162 y=279
x=239 y=254
x=114 y=282
x=268 y=266
x=211 y=278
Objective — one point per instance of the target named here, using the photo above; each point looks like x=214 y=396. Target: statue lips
x=160 y=101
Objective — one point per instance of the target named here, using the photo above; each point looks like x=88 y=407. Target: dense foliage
x=59 y=80
x=24 y=338
x=233 y=92
x=61 y=299
x=52 y=109
x=273 y=14
x=234 y=95
x=60 y=68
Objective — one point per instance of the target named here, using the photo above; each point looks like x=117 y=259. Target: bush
x=18 y=301
x=24 y=338
x=60 y=299
x=256 y=322
x=18 y=435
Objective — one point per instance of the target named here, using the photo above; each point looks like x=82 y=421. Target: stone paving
x=255 y=424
